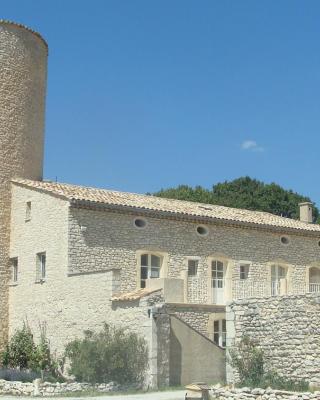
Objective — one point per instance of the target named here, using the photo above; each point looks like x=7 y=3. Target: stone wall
x=287 y=328
x=110 y=240
x=47 y=389
x=23 y=59
x=199 y=317
x=222 y=393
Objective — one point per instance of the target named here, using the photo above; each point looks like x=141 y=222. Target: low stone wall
x=260 y=394
x=286 y=328
x=53 y=389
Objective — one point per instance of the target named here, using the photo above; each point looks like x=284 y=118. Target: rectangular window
x=28 y=211
x=192 y=267
x=216 y=333
x=244 y=271
x=41 y=266
x=14 y=266
x=150 y=266
x=220 y=332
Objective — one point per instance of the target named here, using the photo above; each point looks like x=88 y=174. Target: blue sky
x=144 y=95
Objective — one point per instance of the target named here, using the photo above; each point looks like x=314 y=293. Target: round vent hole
x=202 y=230
x=284 y=240
x=140 y=223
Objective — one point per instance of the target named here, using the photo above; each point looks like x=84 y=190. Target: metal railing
x=314 y=287
x=246 y=288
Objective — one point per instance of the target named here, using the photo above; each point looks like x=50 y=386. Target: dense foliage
x=246 y=193
x=112 y=354
x=248 y=360
x=24 y=354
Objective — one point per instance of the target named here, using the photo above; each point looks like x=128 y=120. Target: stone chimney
x=306 y=211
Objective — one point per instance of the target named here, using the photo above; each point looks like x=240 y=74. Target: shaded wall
x=193 y=357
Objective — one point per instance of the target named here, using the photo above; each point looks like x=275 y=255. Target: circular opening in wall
x=140 y=223
x=202 y=230
x=284 y=240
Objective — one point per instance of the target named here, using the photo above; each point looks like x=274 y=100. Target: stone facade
x=199 y=317
x=23 y=60
x=287 y=330
x=92 y=252
x=110 y=240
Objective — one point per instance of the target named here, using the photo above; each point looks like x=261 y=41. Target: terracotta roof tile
x=135 y=295
x=169 y=206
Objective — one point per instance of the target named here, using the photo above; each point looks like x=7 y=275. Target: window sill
x=13 y=284
x=27 y=220
x=40 y=281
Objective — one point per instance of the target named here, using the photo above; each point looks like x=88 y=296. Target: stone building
x=74 y=257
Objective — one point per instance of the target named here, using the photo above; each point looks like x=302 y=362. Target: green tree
x=246 y=193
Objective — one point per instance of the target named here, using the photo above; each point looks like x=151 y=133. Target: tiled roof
x=178 y=208
x=135 y=295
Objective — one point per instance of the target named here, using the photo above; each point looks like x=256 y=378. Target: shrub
x=19 y=352
x=113 y=354
x=248 y=360
x=29 y=358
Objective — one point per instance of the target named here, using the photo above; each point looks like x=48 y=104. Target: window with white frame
x=41 y=266
x=192 y=267
x=244 y=271
x=220 y=332
x=278 y=275
x=150 y=265
x=14 y=268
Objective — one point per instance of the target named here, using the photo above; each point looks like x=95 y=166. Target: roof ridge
x=143 y=195
x=82 y=195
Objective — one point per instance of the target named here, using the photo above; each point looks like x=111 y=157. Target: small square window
x=28 y=211
x=14 y=266
x=244 y=271
x=41 y=267
x=192 y=267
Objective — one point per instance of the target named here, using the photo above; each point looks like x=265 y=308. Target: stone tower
x=23 y=74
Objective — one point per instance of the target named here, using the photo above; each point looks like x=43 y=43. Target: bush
x=19 y=352
x=248 y=360
x=112 y=354
x=24 y=355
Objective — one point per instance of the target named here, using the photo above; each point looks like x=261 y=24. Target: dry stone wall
x=48 y=389
x=223 y=393
x=287 y=328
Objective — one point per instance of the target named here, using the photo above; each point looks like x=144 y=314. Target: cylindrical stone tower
x=23 y=75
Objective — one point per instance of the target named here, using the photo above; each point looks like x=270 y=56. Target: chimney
x=306 y=210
